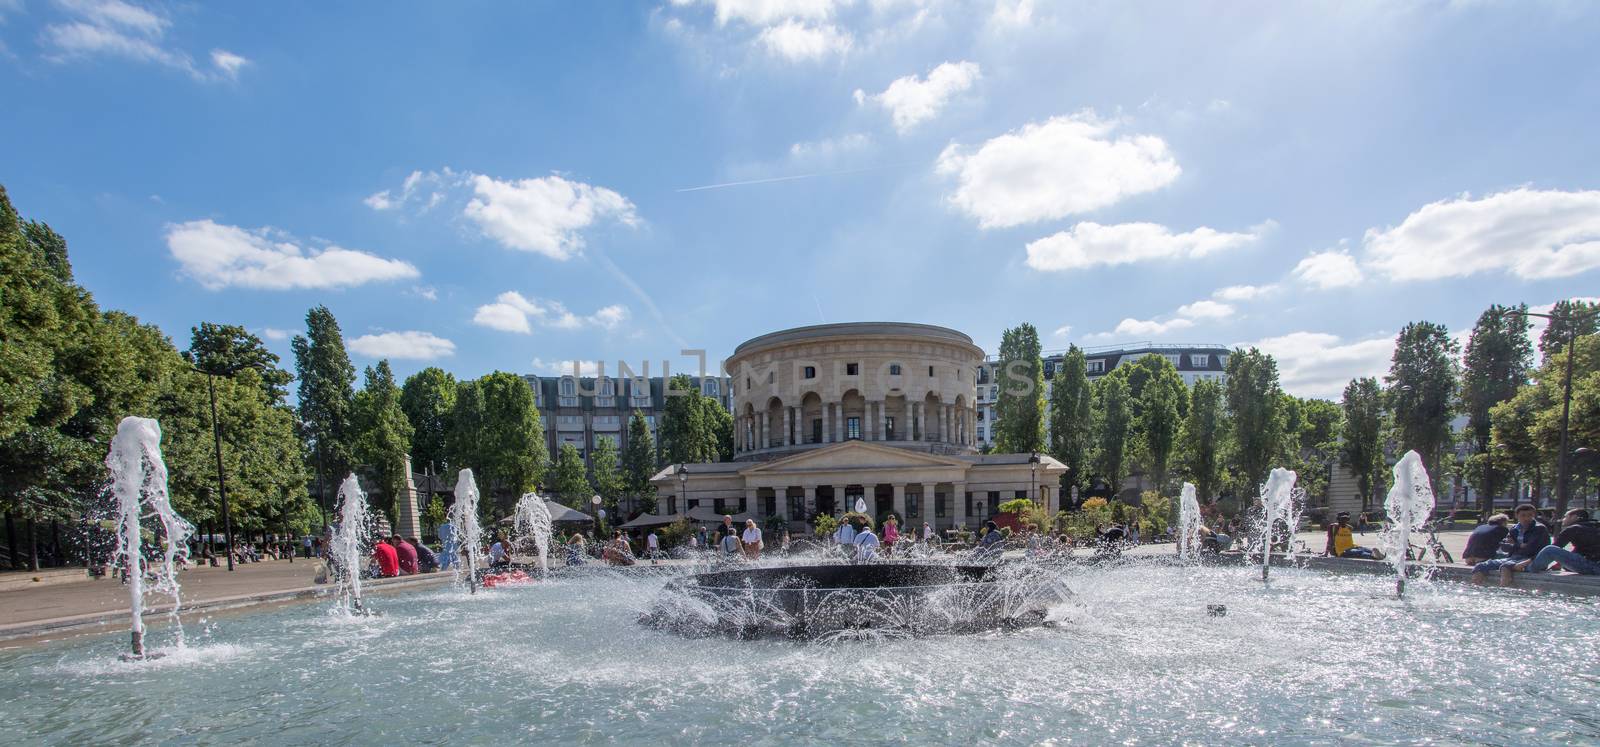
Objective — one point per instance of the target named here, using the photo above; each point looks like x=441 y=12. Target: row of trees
x=1141 y=419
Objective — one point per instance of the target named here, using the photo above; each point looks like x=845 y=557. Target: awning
x=648 y=520
x=560 y=513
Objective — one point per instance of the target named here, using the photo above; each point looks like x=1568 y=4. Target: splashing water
x=533 y=519
x=353 y=533
x=139 y=478
x=1408 y=504
x=1280 y=501
x=1188 y=524
x=464 y=516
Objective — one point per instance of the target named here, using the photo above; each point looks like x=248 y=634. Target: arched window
x=567 y=387
x=894 y=369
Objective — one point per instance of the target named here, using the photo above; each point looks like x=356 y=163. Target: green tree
x=223 y=348
x=327 y=393
x=1203 y=439
x=1313 y=443
x=1361 y=435
x=382 y=433
x=1255 y=406
x=719 y=422
x=1161 y=401
x=428 y=398
x=1072 y=417
x=495 y=430
x=568 y=479
x=434 y=514
x=689 y=431
x=639 y=462
x=1585 y=315
x=609 y=482
x=1498 y=358
x=1422 y=388
x=1019 y=412
x=1112 y=428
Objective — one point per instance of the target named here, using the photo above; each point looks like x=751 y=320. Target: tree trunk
x=11 y=541
x=33 y=545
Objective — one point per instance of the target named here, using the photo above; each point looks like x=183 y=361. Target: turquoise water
x=1314 y=659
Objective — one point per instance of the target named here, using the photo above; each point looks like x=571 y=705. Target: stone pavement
x=92 y=601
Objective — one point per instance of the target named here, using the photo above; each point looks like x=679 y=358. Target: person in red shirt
x=407 y=554
x=388 y=561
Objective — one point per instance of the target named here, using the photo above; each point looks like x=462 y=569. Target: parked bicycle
x=1431 y=546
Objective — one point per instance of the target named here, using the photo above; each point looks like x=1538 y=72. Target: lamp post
x=1033 y=478
x=594 y=500
x=216 y=436
x=1563 y=467
x=683 y=489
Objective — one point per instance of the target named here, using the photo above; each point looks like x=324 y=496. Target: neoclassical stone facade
x=910 y=385
x=876 y=412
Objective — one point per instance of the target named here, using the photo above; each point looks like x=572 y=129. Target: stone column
x=958 y=503
x=921 y=432
x=827 y=422
x=883 y=420
x=930 y=504
x=765 y=439
x=751 y=502
x=840 y=423
x=867 y=433
x=950 y=423
x=408 y=521
x=905 y=426
x=900 y=505
x=839 y=501
x=788 y=426
x=811 y=501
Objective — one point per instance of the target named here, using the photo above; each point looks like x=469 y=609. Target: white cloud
x=1317 y=364
x=1063 y=330
x=827 y=149
x=1089 y=244
x=798 y=42
x=1243 y=292
x=114 y=28
x=513 y=312
x=1329 y=269
x=1205 y=310
x=1011 y=14
x=543 y=215
x=566 y=367
x=1531 y=234
x=1064 y=166
x=768 y=12
x=425 y=292
x=220 y=256
x=911 y=100
x=272 y=333
x=1131 y=327
x=408 y=345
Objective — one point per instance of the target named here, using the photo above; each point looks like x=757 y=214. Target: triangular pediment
x=853 y=455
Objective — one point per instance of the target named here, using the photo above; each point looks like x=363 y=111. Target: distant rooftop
x=1131 y=347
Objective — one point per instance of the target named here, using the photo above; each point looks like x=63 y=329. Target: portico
x=945 y=491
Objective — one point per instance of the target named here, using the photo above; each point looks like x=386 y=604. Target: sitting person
x=407 y=554
x=1213 y=541
x=1522 y=542
x=1584 y=536
x=1484 y=541
x=617 y=551
x=387 y=560
x=427 y=562
x=499 y=555
x=575 y=549
x=729 y=544
x=992 y=545
x=1342 y=543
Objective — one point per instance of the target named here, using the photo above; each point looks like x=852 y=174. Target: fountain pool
x=1313 y=658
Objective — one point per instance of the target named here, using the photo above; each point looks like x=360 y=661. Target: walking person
x=652 y=546
x=891 y=534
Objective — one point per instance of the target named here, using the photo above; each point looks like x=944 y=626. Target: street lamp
x=594 y=500
x=1033 y=476
x=1563 y=467
x=683 y=488
x=216 y=436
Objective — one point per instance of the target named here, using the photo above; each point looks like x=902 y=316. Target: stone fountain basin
x=824 y=600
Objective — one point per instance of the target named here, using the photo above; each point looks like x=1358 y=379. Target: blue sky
x=508 y=186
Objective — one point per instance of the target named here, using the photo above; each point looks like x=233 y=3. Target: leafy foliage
x=1422 y=382
x=1072 y=417
x=428 y=399
x=1019 y=412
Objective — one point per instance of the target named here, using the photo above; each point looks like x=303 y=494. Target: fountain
x=533 y=518
x=139 y=478
x=353 y=534
x=833 y=602
x=1408 y=504
x=464 y=516
x=1188 y=524
x=1278 y=503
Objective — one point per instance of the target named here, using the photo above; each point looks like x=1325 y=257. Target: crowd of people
x=1502 y=548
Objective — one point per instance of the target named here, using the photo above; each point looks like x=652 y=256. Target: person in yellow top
x=1342 y=542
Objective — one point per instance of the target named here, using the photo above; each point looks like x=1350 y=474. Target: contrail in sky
x=783 y=178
